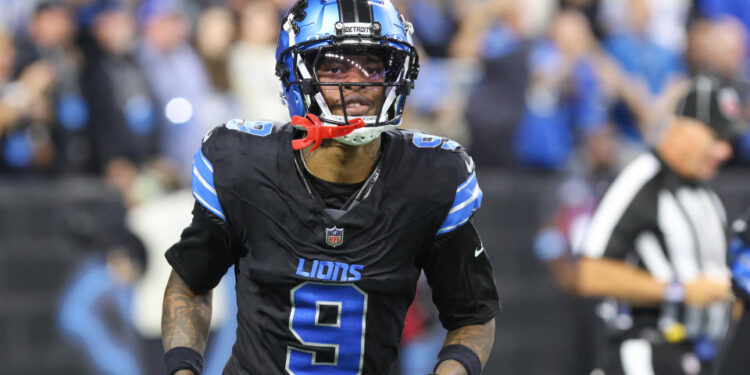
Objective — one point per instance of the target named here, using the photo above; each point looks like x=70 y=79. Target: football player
x=330 y=220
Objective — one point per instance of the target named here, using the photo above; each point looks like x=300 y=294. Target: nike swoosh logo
x=469 y=165
x=478 y=251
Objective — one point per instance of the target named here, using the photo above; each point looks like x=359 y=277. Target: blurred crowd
x=125 y=89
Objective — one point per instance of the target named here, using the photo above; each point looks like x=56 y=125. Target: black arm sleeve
x=204 y=252
x=621 y=242
x=463 y=286
x=605 y=240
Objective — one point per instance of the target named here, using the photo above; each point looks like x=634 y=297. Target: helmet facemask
x=350 y=75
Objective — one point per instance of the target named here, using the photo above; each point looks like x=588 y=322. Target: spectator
x=565 y=100
x=178 y=77
x=96 y=308
x=437 y=104
x=435 y=23
x=589 y=9
x=24 y=112
x=14 y=15
x=667 y=27
x=252 y=63
x=123 y=119
x=214 y=36
x=492 y=35
x=50 y=39
x=649 y=66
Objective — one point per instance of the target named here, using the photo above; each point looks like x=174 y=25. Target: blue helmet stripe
x=204 y=190
x=467 y=201
x=346 y=11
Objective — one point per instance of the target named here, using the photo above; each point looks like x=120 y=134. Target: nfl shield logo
x=334 y=236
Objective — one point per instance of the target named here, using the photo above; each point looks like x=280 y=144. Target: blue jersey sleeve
x=467 y=201
x=204 y=189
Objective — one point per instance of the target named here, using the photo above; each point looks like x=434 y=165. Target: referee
x=657 y=243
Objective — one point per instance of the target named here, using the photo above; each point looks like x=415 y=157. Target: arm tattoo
x=185 y=316
x=478 y=338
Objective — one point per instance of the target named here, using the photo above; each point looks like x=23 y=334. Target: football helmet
x=350 y=33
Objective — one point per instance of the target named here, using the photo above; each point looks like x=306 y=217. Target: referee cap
x=714 y=102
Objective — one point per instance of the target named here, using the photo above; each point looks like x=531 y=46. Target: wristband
x=182 y=358
x=674 y=292
x=463 y=355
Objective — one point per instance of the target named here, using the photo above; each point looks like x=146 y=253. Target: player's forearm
x=479 y=338
x=185 y=316
x=606 y=277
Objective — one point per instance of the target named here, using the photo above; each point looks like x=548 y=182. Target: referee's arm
x=599 y=277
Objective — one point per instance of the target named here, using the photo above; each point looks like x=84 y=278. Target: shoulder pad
x=446 y=150
x=260 y=128
x=220 y=148
x=257 y=128
x=428 y=141
x=448 y=161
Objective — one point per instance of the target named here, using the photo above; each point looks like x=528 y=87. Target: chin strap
x=316 y=132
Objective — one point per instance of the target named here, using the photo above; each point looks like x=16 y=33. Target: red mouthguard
x=316 y=132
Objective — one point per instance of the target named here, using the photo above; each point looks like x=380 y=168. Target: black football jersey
x=321 y=290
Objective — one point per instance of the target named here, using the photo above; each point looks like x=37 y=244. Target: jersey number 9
x=329 y=322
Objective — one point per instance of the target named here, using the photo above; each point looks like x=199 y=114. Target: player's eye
x=334 y=70
x=328 y=70
x=374 y=71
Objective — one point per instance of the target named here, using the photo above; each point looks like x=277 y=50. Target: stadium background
x=551 y=98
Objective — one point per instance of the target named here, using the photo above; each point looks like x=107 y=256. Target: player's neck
x=340 y=163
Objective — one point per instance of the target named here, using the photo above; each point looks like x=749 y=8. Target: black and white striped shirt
x=670 y=226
